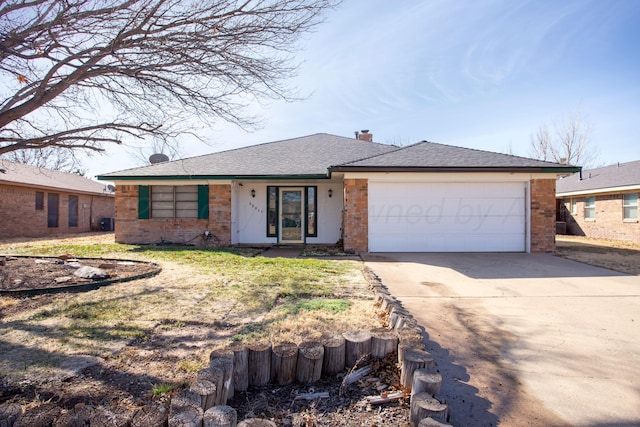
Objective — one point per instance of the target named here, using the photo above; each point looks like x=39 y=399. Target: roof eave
x=209 y=177
x=555 y=170
x=54 y=188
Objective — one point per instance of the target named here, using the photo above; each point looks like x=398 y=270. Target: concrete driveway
x=525 y=339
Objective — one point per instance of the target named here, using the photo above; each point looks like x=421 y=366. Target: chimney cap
x=365 y=131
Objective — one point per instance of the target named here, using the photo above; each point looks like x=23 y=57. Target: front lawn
x=203 y=299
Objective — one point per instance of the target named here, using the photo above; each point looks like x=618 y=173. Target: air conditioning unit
x=107 y=224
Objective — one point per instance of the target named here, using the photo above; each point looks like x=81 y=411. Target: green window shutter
x=203 y=201
x=143 y=202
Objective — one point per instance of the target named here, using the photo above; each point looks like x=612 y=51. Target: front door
x=291 y=215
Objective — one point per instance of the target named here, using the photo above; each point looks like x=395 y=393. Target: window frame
x=53 y=210
x=273 y=195
x=573 y=206
x=627 y=206
x=145 y=202
x=73 y=209
x=313 y=198
x=39 y=200
x=590 y=209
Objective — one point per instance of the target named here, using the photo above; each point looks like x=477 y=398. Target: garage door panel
x=447 y=225
x=446 y=217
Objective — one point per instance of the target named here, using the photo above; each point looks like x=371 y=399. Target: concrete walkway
x=525 y=339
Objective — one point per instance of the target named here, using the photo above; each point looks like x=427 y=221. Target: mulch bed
x=35 y=275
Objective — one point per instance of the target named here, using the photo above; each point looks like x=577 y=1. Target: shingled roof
x=316 y=156
x=307 y=156
x=599 y=180
x=32 y=176
x=433 y=156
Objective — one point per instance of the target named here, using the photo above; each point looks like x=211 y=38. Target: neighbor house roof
x=433 y=156
x=618 y=177
x=32 y=176
x=316 y=156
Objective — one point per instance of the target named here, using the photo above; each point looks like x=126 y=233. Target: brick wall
x=130 y=229
x=19 y=217
x=543 y=215
x=356 y=215
x=608 y=223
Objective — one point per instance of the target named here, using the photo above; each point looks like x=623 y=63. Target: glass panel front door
x=291 y=215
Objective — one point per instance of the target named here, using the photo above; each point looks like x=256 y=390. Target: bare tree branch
x=571 y=145
x=84 y=73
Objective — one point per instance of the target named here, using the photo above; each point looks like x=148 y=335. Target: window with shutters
x=167 y=201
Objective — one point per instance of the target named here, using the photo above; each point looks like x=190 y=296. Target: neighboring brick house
x=602 y=202
x=38 y=202
x=323 y=189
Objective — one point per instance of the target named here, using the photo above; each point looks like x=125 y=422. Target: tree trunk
x=259 y=363
x=283 y=363
x=215 y=376
x=207 y=391
x=153 y=415
x=185 y=398
x=395 y=314
x=310 y=356
x=430 y=422
x=256 y=422
x=186 y=416
x=8 y=414
x=407 y=334
x=412 y=360
x=224 y=364
x=334 y=354
x=79 y=416
x=220 y=416
x=214 y=359
x=424 y=406
x=240 y=367
x=383 y=342
x=357 y=347
x=426 y=382
x=403 y=347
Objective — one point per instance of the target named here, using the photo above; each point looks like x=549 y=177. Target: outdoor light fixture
x=330 y=192
x=253 y=193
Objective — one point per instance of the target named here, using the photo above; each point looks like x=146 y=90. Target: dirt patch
x=612 y=254
x=33 y=275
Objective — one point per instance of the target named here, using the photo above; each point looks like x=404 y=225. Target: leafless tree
x=78 y=74
x=48 y=157
x=571 y=144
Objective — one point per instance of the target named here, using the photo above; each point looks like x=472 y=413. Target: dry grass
x=615 y=255
x=202 y=299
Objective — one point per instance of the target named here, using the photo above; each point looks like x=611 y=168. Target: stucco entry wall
x=130 y=229
x=356 y=215
x=543 y=215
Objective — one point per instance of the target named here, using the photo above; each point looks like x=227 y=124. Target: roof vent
x=158 y=158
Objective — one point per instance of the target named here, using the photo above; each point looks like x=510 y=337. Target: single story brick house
x=323 y=189
x=38 y=202
x=602 y=202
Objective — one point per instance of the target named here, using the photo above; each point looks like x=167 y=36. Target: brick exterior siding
x=130 y=229
x=356 y=215
x=543 y=215
x=608 y=223
x=19 y=217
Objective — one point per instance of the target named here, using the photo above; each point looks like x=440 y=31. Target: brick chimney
x=364 y=135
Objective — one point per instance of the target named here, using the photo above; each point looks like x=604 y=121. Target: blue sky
x=481 y=74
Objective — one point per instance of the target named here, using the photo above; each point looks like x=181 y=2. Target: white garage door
x=447 y=217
